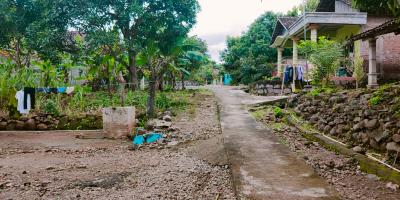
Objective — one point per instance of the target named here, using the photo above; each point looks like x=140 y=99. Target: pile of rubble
x=160 y=133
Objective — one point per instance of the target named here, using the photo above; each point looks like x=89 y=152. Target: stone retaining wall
x=350 y=117
x=272 y=88
x=43 y=122
x=269 y=88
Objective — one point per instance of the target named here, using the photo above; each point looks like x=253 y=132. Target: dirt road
x=56 y=165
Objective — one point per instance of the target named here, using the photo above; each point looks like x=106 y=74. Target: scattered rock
x=156 y=123
x=378 y=135
x=396 y=138
x=373 y=177
x=30 y=124
x=358 y=126
x=167 y=118
x=19 y=125
x=42 y=127
x=392 y=186
x=3 y=126
x=371 y=124
x=173 y=143
x=359 y=150
x=393 y=147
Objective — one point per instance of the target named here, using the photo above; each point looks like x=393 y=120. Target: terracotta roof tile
x=287 y=21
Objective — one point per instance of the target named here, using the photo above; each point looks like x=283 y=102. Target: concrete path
x=262 y=168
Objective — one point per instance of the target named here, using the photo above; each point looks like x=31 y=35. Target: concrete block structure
x=119 y=122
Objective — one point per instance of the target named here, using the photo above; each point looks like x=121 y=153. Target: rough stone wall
x=350 y=117
x=269 y=88
x=388 y=50
x=44 y=122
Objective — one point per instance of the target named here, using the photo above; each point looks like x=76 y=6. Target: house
x=338 y=20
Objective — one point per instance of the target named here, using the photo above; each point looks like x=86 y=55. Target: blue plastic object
x=151 y=138
x=138 y=140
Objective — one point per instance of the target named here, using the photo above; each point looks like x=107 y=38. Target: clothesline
x=26 y=97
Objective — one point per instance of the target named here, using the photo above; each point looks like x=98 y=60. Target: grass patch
x=259 y=114
x=92 y=103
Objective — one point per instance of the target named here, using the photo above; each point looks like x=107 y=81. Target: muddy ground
x=340 y=171
x=56 y=165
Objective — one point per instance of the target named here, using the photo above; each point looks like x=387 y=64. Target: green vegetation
x=358 y=71
x=379 y=95
x=382 y=7
x=259 y=114
x=50 y=107
x=316 y=91
x=113 y=45
x=93 y=102
x=325 y=55
x=248 y=58
x=278 y=113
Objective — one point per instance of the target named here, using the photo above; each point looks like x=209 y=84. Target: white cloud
x=221 y=18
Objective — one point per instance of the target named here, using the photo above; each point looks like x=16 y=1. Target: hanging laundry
x=70 y=90
x=47 y=90
x=289 y=74
x=300 y=73
x=62 y=90
x=20 y=98
x=31 y=92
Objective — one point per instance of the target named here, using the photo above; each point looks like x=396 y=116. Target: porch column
x=280 y=67
x=295 y=61
x=314 y=32
x=372 y=72
x=295 y=51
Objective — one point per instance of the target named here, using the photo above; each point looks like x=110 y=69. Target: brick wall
x=388 y=50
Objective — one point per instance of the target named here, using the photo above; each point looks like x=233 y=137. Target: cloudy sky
x=221 y=18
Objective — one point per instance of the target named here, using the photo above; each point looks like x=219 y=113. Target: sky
x=221 y=18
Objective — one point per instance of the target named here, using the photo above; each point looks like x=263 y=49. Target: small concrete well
x=118 y=122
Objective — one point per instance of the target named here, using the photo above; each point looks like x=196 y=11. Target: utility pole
x=305 y=36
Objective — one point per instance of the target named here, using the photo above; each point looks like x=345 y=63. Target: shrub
x=325 y=55
x=50 y=107
x=322 y=90
x=278 y=113
x=378 y=96
x=358 y=71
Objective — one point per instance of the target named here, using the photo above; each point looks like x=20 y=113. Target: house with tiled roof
x=338 y=20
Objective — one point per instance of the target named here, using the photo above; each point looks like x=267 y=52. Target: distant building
x=338 y=20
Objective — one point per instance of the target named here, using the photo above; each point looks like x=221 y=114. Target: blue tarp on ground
x=149 y=138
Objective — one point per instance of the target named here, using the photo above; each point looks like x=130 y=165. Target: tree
x=311 y=5
x=246 y=57
x=192 y=55
x=182 y=56
x=325 y=55
x=379 y=7
x=34 y=26
x=138 y=21
x=358 y=71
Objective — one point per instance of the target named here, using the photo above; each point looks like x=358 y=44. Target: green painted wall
x=346 y=32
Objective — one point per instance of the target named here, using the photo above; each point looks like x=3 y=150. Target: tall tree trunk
x=18 y=54
x=173 y=81
x=133 y=70
x=152 y=94
x=183 y=81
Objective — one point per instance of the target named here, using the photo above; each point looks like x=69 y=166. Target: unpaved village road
x=59 y=166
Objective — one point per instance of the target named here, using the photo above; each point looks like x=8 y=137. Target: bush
x=325 y=55
x=278 y=113
x=378 y=96
x=322 y=90
x=50 y=107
